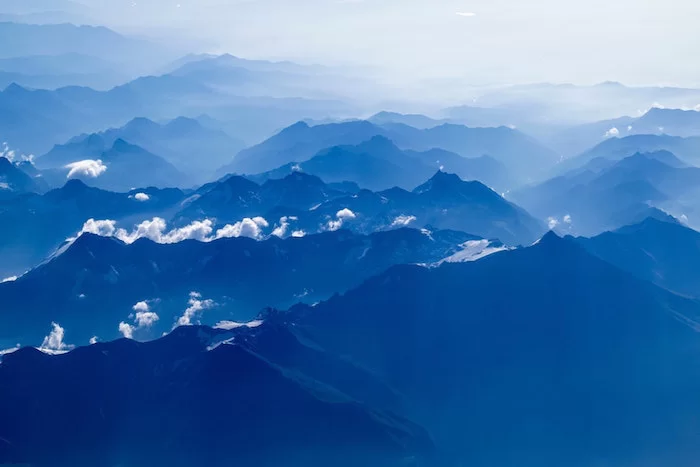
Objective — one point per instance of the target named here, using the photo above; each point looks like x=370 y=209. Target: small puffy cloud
x=87 y=168
x=195 y=308
x=104 y=228
x=281 y=229
x=612 y=132
x=552 y=223
x=143 y=318
x=403 y=221
x=567 y=219
x=465 y=14
x=93 y=340
x=298 y=234
x=248 y=227
x=140 y=197
x=629 y=127
x=11 y=154
x=127 y=330
x=345 y=214
x=53 y=343
x=146 y=319
x=141 y=307
x=341 y=216
x=8 y=279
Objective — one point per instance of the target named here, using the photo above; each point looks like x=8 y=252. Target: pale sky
x=483 y=41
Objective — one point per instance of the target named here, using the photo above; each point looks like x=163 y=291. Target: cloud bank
x=156 y=230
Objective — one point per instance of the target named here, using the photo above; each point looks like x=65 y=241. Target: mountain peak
x=121 y=145
x=14 y=88
x=550 y=238
x=440 y=180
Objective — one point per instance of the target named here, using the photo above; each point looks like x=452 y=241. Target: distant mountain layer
x=308 y=205
x=300 y=142
x=656 y=121
x=33 y=121
x=686 y=149
x=117 y=166
x=15 y=181
x=263 y=397
x=55 y=71
x=607 y=193
x=665 y=253
x=379 y=164
x=184 y=142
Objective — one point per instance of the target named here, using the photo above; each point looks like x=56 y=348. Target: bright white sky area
x=486 y=41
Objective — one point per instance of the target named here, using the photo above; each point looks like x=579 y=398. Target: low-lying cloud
x=53 y=343
x=340 y=218
x=195 y=309
x=86 y=168
x=156 y=230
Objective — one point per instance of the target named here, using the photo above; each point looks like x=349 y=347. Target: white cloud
x=552 y=222
x=103 y=228
x=146 y=319
x=341 y=216
x=87 y=168
x=281 y=229
x=127 y=330
x=141 y=306
x=567 y=219
x=8 y=279
x=298 y=234
x=345 y=214
x=11 y=154
x=248 y=227
x=93 y=340
x=612 y=132
x=143 y=318
x=196 y=307
x=466 y=14
x=403 y=221
x=629 y=127
x=156 y=230
x=140 y=197
x=53 y=343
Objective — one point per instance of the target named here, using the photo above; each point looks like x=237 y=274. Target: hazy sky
x=504 y=41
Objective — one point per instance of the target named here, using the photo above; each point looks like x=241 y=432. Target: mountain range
x=14 y=181
x=535 y=356
x=307 y=205
x=192 y=148
x=263 y=396
x=532 y=357
x=235 y=273
x=655 y=121
x=33 y=226
x=300 y=142
x=607 y=194
x=378 y=164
